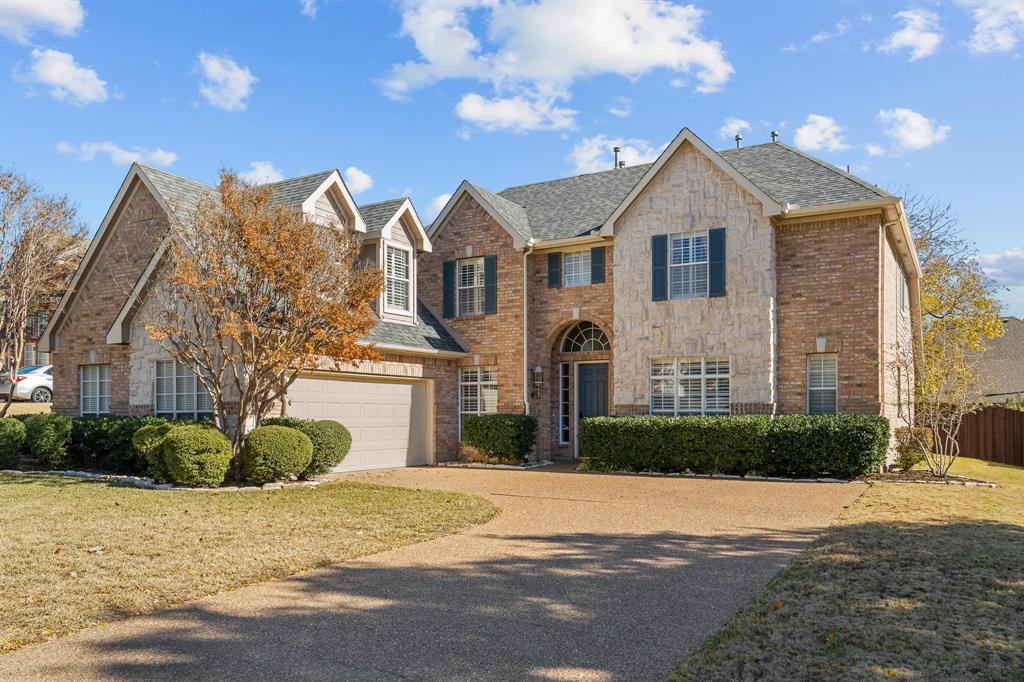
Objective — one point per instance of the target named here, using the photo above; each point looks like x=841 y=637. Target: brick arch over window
x=557 y=333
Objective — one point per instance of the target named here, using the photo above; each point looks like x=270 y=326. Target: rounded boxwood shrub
x=504 y=437
x=271 y=453
x=331 y=442
x=196 y=455
x=48 y=436
x=148 y=443
x=12 y=437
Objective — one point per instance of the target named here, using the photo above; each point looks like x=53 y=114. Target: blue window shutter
x=597 y=265
x=448 y=278
x=716 y=262
x=554 y=270
x=659 y=267
x=490 y=285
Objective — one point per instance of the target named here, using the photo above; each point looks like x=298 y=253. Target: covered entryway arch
x=581 y=369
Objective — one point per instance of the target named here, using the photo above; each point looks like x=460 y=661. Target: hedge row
x=798 y=446
x=503 y=437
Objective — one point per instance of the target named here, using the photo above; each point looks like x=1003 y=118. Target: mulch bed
x=925 y=477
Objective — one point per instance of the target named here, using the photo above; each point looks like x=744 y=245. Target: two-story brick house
x=755 y=280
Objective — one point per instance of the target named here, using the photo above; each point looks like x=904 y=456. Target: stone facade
x=81 y=339
x=691 y=194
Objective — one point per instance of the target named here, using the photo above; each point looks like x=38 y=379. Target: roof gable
x=385 y=215
x=510 y=216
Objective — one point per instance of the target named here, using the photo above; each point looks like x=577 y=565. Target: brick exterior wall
x=492 y=340
x=828 y=286
x=129 y=243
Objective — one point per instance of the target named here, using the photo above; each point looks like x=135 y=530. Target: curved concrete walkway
x=581 y=577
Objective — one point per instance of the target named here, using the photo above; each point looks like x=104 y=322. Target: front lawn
x=75 y=553
x=914 y=581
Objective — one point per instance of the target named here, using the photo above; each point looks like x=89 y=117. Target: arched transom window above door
x=584 y=337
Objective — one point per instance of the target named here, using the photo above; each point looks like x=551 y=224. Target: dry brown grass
x=161 y=548
x=915 y=582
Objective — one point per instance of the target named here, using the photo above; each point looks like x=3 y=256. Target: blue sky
x=412 y=98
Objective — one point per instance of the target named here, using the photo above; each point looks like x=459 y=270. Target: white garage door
x=387 y=419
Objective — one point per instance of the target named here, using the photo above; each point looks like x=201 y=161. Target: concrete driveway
x=581 y=577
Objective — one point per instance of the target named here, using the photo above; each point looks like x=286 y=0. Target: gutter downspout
x=526 y=345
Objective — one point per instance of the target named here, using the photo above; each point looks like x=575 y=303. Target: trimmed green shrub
x=196 y=455
x=48 y=436
x=272 y=453
x=800 y=446
x=909 y=450
x=331 y=442
x=507 y=437
x=105 y=443
x=148 y=444
x=12 y=437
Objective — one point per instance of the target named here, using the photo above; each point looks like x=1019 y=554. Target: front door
x=591 y=394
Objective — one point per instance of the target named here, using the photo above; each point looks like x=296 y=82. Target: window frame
x=198 y=391
x=704 y=377
x=564 y=408
x=585 y=269
x=388 y=306
x=479 y=285
x=834 y=388
x=480 y=384
x=99 y=382
x=688 y=265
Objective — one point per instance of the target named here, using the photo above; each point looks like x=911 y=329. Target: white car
x=34 y=383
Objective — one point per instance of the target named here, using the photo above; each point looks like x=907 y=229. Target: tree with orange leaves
x=249 y=294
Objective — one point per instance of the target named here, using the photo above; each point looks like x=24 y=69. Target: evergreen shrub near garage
x=798 y=446
x=505 y=437
x=47 y=437
x=196 y=455
x=331 y=442
x=272 y=453
x=12 y=438
x=106 y=443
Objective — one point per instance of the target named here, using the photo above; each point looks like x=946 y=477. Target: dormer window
x=398 y=278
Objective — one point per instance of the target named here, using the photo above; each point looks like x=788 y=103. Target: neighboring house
x=750 y=281
x=755 y=280
x=1001 y=364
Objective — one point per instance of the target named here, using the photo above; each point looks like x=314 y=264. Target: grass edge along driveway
x=77 y=553
x=913 y=581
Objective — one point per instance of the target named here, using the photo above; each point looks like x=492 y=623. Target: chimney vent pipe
x=616 y=150
x=775 y=136
x=739 y=138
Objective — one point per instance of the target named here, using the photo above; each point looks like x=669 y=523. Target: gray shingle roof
x=377 y=215
x=788 y=175
x=572 y=207
x=427 y=334
x=1001 y=362
x=296 y=190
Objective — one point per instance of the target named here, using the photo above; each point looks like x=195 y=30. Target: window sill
x=481 y=316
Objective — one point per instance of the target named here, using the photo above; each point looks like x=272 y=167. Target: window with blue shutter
x=448 y=281
x=597 y=265
x=716 y=262
x=554 y=270
x=490 y=285
x=659 y=267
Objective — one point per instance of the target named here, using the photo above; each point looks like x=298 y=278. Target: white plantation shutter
x=822 y=380
x=681 y=386
x=398 y=278
x=94 y=390
x=177 y=394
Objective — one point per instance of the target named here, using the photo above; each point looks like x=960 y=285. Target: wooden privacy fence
x=994 y=434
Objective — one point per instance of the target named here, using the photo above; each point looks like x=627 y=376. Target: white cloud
x=621 y=107
x=998 y=24
x=87 y=151
x=731 y=127
x=308 y=8
x=518 y=114
x=67 y=80
x=537 y=50
x=261 y=172
x=920 y=34
x=594 y=154
x=678 y=82
x=875 y=149
x=911 y=129
x=435 y=207
x=841 y=27
x=357 y=180
x=821 y=132
x=1005 y=268
x=225 y=85
x=19 y=19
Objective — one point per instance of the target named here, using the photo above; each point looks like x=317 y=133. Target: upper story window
x=94 y=390
x=695 y=385
x=822 y=381
x=177 y=393
x=576 y=267
x=688 y=265
x=398 y=275
x=470 y=289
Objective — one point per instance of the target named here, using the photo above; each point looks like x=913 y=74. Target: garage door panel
x=387 y=419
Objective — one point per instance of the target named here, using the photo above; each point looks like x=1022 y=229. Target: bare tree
x=250 y=294
x=40 y=240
